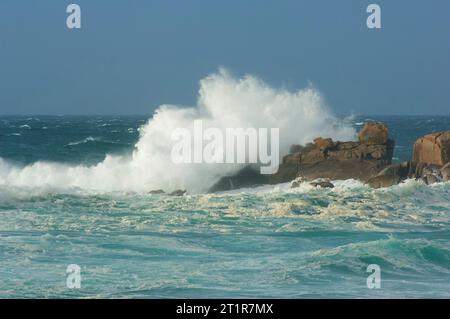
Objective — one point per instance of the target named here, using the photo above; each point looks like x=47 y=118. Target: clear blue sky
x=131 y=56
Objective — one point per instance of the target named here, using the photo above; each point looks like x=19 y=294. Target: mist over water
x=223 y=102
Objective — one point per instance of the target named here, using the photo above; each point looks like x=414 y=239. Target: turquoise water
x=270 y=241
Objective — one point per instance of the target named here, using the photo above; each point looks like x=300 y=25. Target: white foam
x=224 y=101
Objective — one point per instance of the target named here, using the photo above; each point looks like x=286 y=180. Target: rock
x=445 y=172
x=323 y=143
x=178 y=192
x=324 y=183
x=313 y=156
x=324 y=158
x=246 y=177
x=296 y=182
x=295 y=148
x=431 y=174
x=391 y=175
x=156 y=192
x=433 y=149
x=373 y=133
x=292 y=158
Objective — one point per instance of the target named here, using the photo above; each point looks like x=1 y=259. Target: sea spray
x=224 y=101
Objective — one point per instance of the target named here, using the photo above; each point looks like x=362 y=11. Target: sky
x=131 y=56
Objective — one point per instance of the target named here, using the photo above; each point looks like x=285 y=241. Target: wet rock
x=373 y=133
x=296 y=182
x=323 y=183
x=156 y=192
x=178 y=192
x=381 y=181
x=246 y=177
x=433 y=149
x=431 y=174
x=445 y=172
x=392 y=175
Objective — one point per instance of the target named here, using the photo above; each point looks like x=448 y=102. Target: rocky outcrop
x=393 y=174
x=373 y=133
x=324 y=158
x=433 y=149
x=430 y=163
x=368 y=160
x=246 y=177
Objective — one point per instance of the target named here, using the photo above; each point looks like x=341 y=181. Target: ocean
x=69 y=194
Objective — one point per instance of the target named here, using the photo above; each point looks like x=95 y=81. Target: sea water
x=269 y=241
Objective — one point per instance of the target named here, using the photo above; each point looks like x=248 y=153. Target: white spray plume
x=223 y=102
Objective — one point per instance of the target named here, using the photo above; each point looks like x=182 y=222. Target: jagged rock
x=324 y=183
x=178 y=192
x=373 y=133
x=445 y=172
x=433 y=149
x=392 y=175
x=324 y=159
x=156 y=192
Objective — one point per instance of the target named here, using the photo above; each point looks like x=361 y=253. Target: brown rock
x=380 y=181
x=324 y=159
x=292 y=158
x=433 y=149
x=313 y=156
x=373 y=133
x=392 y=175
x=323 y=143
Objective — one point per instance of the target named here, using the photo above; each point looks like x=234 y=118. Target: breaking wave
x=223 y=101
